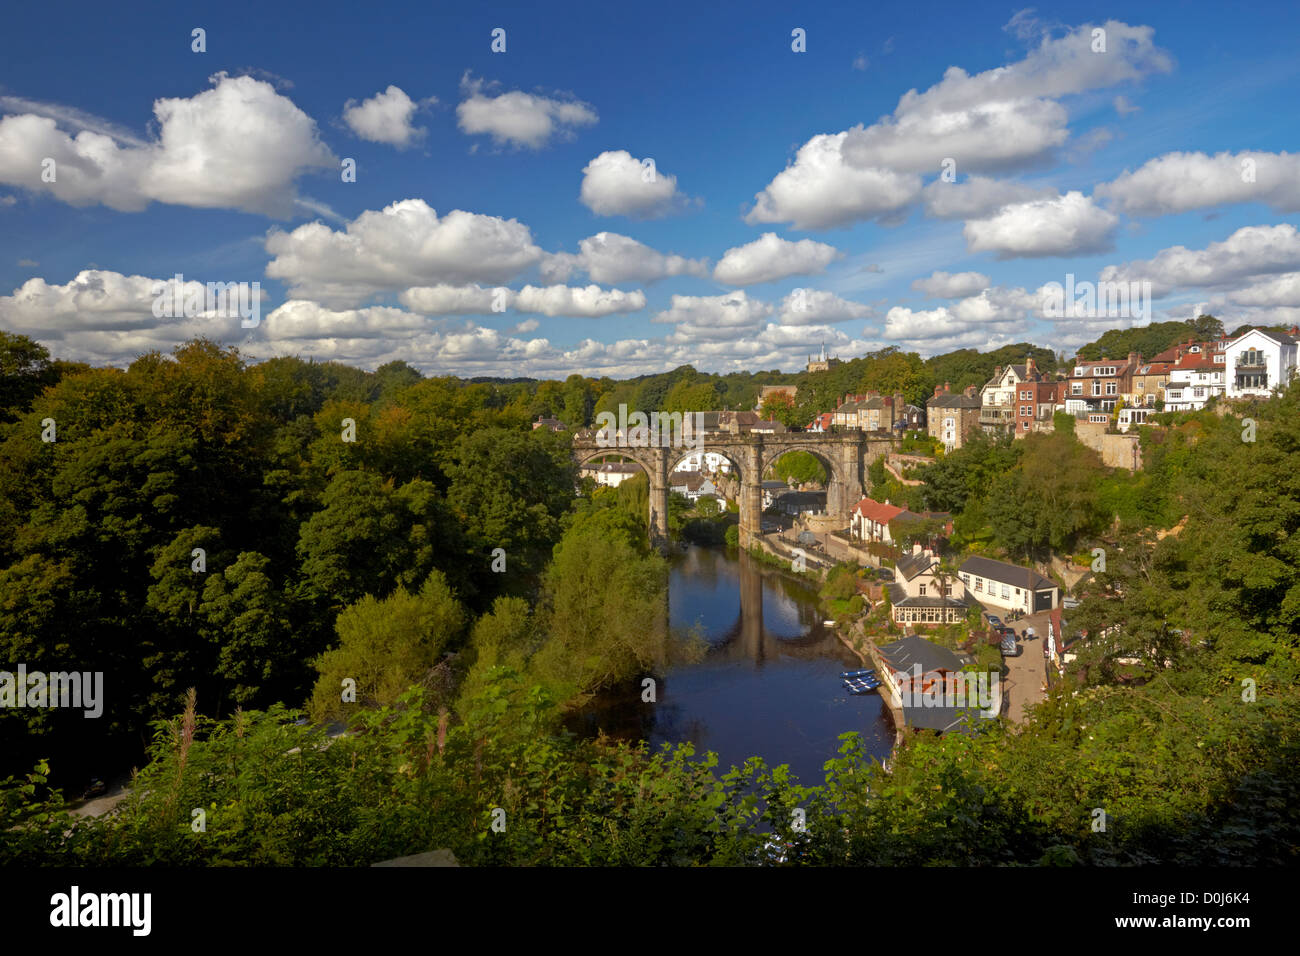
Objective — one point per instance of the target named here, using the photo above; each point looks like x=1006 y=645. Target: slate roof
x=942 y=719
x=910 y=565
x=954 y=400
x=1005 y=573
x=902 y=654
x=898 y=598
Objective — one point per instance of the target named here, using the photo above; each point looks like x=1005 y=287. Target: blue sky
x=774 y=171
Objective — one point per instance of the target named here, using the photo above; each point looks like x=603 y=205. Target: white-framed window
x=965 y=579
x=921 y=590
x=1112 y=388
x=979 y=584
x=1200 y=392
x=1076 y=388
x=1096 y=388
x=1006 y=592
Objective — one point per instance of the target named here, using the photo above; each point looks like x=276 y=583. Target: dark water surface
x=769 y=685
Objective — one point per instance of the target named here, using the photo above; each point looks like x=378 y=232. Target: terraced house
x=1196 y=375
x=1095 y=387
x=1000 y=399
x=952 y=417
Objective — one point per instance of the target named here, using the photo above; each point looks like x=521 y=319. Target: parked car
x=1010 y=648
x=1071 y=603
x=1005 y=632
x=994 y=621
x=886 y=574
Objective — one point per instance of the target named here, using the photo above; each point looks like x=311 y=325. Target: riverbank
x=868 y=654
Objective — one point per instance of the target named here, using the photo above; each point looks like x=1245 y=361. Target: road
x=1025 y=683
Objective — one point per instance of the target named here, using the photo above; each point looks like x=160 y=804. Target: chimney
x=970 y=391
x=1134 y=359
x=1030 y=367
x=938 y=390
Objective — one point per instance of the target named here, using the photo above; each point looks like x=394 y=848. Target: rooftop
x=1005 y=573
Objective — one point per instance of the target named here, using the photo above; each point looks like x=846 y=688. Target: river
x=768 y=685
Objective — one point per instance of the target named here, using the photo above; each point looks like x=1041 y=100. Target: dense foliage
x=373 y=560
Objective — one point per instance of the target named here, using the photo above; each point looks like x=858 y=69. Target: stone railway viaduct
x=845 y=456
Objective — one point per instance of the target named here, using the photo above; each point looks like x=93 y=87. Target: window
x=1111 y=388
x=965 y=579
x=922 y=590
x=979 y=584
x=1076 y=388
x=1006 y=591
x=1200 y=392
x=1096 y=388
x=947 y=590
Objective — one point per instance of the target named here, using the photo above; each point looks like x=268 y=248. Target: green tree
x=247 y=619
x=25 y=372
x=386 y=646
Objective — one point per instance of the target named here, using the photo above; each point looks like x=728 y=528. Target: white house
x=869 y=520
x=920 y=595
x=1196 y=376
x=613 y=473
x=1008 y=586
x=1259 y=360
x=710 y=461
x=693 y=485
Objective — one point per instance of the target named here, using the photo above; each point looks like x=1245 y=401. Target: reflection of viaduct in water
x=846 y=458
x=748 y=637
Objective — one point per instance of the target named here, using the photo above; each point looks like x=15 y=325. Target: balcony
x=1247 y=364
x=997 y=416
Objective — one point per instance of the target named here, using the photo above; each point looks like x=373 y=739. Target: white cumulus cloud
x=817 y=307
x=1178 y=182
x=770 y=257
x=945 y=285
x=385 y=118
x=611 y=258
x=819 y=190
x=518 y=118
x=1067 y=225
x=404 y=245
x=714 y=318
x=239 y=145
x=616 y=183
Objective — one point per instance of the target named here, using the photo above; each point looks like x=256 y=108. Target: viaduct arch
x=848 y=456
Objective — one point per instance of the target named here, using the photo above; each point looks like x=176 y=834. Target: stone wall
x=1117 y=451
